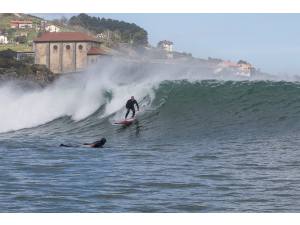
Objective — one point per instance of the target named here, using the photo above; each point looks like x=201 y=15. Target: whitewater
x=202 y=142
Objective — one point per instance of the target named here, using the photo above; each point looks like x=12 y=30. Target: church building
x=67 y=52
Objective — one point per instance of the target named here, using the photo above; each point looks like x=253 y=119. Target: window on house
x=68 y=47
x=55 y=47
x=80 y=47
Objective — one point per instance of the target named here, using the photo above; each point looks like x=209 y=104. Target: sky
x=271 y=42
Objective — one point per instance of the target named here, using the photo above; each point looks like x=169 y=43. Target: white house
x=21 y=24
x=165 y=45
x=241 y=68
x=245 y=69
x=3 y=39
x=52 y=28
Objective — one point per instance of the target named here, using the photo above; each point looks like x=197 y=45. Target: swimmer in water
x=96 y=144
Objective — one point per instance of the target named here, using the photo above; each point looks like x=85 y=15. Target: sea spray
x=74 y=95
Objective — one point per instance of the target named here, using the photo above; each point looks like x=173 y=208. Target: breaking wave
x=192 y=100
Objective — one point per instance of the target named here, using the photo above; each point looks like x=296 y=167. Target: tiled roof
x=21 y=21
x=230 y=64
x=96 y=51
x=64 y=36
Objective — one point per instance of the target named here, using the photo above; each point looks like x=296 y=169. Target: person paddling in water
x=130 y=106
x=96 y=144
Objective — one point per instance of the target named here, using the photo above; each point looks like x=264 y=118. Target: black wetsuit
x=130 y=106
x=96 y=144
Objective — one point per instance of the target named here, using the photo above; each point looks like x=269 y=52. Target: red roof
x=20 y=21
x=96 y=51
x=64 y=36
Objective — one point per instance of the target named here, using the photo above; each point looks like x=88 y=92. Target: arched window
x=80 y=47
x=68 y=47
x=55 y=47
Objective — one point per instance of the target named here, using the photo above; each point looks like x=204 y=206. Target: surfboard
x=125 y=122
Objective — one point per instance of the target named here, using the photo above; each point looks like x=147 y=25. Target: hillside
x=20 y=39
x=110 y=32
x=120 y=31
x=5 y=19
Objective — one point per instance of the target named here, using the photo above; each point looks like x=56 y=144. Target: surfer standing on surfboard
x=130 y=106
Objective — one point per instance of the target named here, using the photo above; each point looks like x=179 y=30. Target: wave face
x=183 y=98
x=201 y=144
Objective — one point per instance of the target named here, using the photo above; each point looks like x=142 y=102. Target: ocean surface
x=199 y=144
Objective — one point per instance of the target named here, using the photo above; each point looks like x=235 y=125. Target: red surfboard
x=125 y=122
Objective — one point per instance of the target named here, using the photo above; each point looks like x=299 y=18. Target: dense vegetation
x=112 y=31
x=129 y=32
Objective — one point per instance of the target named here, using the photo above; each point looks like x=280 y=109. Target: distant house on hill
x=245 y=67
x=66 y=52
x=20 y=24
x=3 y=39
x=109 y=37
x=105 y=35
x=166 y=46
x=52 y=28
x=242 y=68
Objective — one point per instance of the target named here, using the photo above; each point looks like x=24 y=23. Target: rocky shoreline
x=13 y=69
x=37 y=74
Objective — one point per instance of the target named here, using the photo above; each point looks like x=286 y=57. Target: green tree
x=129 y=32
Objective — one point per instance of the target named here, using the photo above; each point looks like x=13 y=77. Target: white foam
x=76 y=95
